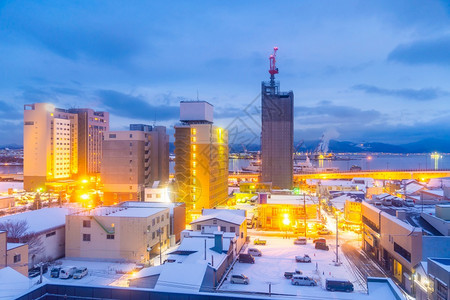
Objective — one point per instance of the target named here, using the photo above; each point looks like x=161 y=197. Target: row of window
x=222 y=228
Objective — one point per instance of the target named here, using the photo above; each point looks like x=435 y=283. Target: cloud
x=327 y=113
x=412 y=94
x=9 y=112
x=134 y=107
x=432 y=51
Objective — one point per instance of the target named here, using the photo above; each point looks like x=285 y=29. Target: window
x=50 y=234
x=112 y=136
x=110 y=236
x=17 y=258
x=402 y=251
x=199 y=227
x=214 y=222
x=232 y=229
x=158 y=219
x=87 y=223
x=131 y=144
x=162 y=218
x=223 y=228
x=131 y=135
x=86 y=237
x=242 y=235
x=153 y=222
x=153 y=235
x=148 y=228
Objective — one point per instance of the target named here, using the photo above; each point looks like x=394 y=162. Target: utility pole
x=337 y=240
x=160 y=245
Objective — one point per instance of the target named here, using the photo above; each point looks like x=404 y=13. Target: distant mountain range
x=422 y=146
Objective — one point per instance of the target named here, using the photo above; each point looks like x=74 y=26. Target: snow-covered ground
x=279 y=257
x=5 y=185
x=99 y=272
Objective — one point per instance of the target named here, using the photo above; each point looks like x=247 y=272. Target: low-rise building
x=6 y=202
x=133 y=234
x=274 y=210
x=228 y=220
x=440 y=220
x=177 y=216
x=14 y=255
x=205 y=257
x=395 y=244
x=45 y=228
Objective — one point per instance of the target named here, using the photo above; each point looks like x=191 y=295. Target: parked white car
x=80 y=273
x=254 y=252
x=66 y=272
x=303 y=280
x=240 y=278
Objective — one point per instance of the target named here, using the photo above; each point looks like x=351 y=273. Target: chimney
x=218 y=242
x=400 y=214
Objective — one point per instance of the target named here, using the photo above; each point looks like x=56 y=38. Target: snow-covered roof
x=212 y=211
x=12 y=283
x=223 y=216
x=437 y=192
x=40 y=220
x=151 y=271
x=10 y=246
x=173 y=277
x=192 y=250
x=291 y=199
x=169 y=205
x=444 y=263
x=126 y=212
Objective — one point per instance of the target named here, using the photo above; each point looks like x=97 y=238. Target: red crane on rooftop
x=273 y=69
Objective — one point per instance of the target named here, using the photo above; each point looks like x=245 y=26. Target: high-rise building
x=50 y=141
x=133 y=160
x=277 y=132
x=91 y=126
x=201 y=159
x=61 y=144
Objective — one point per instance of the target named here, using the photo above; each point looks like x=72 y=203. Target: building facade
x=61 y=144
x=277 y=135
x=118 y=233
x=133 y=160
x=201 y=159
x=50 y=141
x=14 y=255
x=395 y=244
x=91 y=126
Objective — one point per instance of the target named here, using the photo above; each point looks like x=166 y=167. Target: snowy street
x=279 y=257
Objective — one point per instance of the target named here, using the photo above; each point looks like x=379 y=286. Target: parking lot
x=278 y=256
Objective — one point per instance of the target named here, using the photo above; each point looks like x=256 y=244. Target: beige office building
x=133 y=160
x=61 y=144
x=118 y=233
x=201 y=159
x=50 y=145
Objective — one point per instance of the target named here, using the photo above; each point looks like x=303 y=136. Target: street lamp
x=337 y=239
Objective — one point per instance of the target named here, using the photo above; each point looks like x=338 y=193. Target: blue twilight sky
x=360 y=70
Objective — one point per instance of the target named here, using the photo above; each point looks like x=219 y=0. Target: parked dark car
x=33 y=272
x=338 y=285
x=246 y=258
x=288 y=275
x=321 y=240
x=322 y=246
x=54 y=272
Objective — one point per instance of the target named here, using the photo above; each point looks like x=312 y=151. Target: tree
x=18 y=232
x=37 y=204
